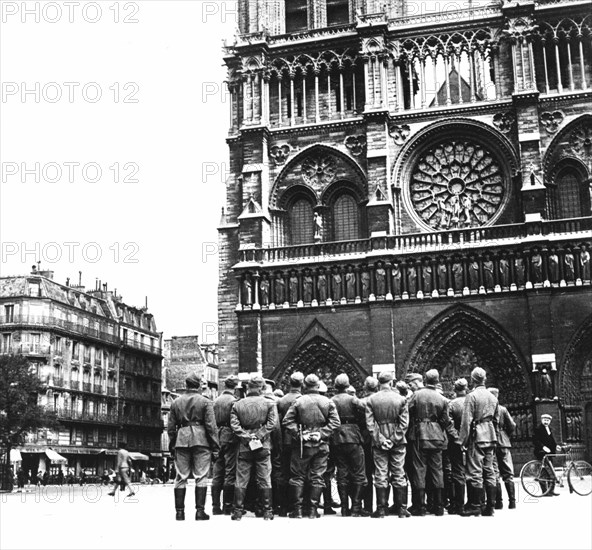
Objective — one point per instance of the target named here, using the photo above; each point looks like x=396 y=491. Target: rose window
x=456 y=184
x=318 y=170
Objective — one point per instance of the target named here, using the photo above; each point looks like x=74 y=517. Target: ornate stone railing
x=445 y=16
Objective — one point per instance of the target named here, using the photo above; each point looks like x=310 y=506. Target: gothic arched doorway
x=576 y=390
x=318 y=352
x=462 y=338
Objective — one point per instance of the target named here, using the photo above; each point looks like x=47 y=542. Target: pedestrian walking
x=123 y=467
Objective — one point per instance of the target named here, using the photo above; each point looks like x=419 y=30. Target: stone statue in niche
x=569 y=265
x=307 y=286
x=488 y=272
x=350 y=284
x=318 y=227
x=380 y=280
x=293 y=288
x=519 y=268
x=247 y=290
x=553 y=266
x=474 y=273
x=322 y=285
x=279 y=288
x=412 y=279
x=426 y=274
x=536 y=261
x=504 y=272
x=264 y=289
x=396 y=279
x=545 y=382
x=457 y=273
x=585 y=263
x=442 y=275
x=365 y=277
x=336 y=286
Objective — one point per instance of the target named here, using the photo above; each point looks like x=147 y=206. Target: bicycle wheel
x=535 y=479
x=579 y=477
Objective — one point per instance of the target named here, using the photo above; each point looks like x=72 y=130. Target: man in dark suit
x=544 y=444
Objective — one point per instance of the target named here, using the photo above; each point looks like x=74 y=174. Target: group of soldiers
x=396 y=434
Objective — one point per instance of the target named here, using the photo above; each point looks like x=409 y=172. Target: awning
x=138 y=456
x=55 y=457
x=108 y=451
x=15 y=455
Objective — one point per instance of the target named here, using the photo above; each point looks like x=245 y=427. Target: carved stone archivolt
x=576 y=370
x=456 y=184
x=318 y=170
x=552 y=120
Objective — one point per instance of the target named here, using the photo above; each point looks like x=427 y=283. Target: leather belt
x=185 y=424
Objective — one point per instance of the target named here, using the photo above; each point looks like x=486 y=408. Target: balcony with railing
x=149 y=348
x=85 y=416
x=97 y=388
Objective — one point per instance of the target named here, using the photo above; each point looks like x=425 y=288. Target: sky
x=113 y=118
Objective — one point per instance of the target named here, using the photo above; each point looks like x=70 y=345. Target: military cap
x=231 y=381
x=342 y=381
x=296 y=378
x=312 y=380
x=546 y=416
x=413 y=376
x=278 y=393
x=370 y=383
x=493 y=391
x=322 y=387
x=193 y=380
x=351 y=390
x=461 y=384
x=402 y=388
x=478 y=375
x=256 y=382
x=432 y=376
x=385 y=377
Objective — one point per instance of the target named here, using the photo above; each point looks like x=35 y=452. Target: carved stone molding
x=279 y=153
x=399 y=132
x=503 y=122
x=552 y=120
x=356 y=145
x=580 y=140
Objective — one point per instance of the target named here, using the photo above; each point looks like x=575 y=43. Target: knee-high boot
x=228 y=497
x=238 y=503
x=511 y=489
x=499 y=502
x=315 y=497
x=216 y=494
x=180 y=504
x=297 y=494
x=200 y=504
x=344 y=498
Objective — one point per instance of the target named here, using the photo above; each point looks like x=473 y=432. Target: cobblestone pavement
x=86 y=517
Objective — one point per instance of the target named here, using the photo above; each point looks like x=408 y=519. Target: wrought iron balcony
x=85 y=416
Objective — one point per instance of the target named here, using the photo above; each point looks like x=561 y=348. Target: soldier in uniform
x=193 y=437
x=370 y=388
x=225 y=466
x=252 y=420
x=387 y=421
x=429 y=421
x=503 y=456
x=310 y=421
x=280 y=495
x=477 y=435
x=455 y=451
x=346 y=443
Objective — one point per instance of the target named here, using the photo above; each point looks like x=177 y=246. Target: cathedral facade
x=409 y=189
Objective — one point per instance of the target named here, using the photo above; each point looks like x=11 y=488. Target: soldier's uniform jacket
x=222 y=407
x=456 y=408
x=429 y=419
x=253 y=415
x=506 y=427
x=283 y=405
x=366 y=434
x=351 y=414
x=479 y=417
x=312 y=412
x=192 y=422
x=387 y=417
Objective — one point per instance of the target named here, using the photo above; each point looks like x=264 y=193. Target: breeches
x=457 y=463
x=311 y=466
x=225 y=465
x=424 y=462
x=480 y=465
x=260 y=460
x=389 y=467
x=350 y=463
x=192 y=460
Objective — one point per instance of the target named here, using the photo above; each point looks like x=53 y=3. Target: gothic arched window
x=301 y=222
x=337 y=12
x=346 y=223
x=572 y=199
x=296 y=15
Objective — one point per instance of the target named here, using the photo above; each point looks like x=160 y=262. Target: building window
x=58 y=345
x=9 y=314
x=75 y=351
x=301 y=222
x=337 y=12
x=345 y=219
x=296 y=15
x=34 y=289
x=6 y=343
x=570 y=195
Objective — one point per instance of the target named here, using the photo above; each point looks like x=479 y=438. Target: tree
x=19 y=410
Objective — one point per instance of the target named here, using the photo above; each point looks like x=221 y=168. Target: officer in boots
x=252 y=420
x=193 y=437
x=225 y=466
x=370 y=388
x=346 y=443
x=387 y=420
x=280 y=496
x=478 y=436
x=455 y=450
x=310 y=421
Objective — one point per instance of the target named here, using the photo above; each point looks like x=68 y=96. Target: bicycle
x=538 y=477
